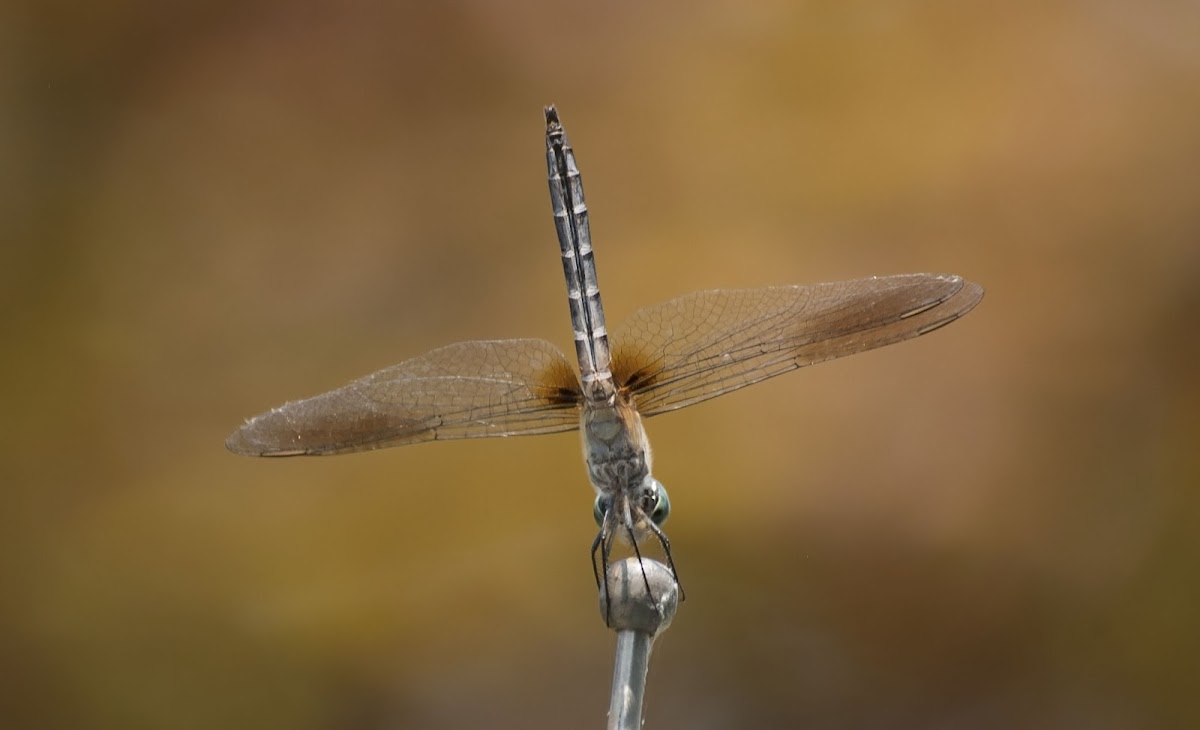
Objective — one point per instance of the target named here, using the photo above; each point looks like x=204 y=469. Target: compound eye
x=600 y=508
x=662 y=507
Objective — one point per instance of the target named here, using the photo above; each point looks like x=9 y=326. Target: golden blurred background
x=210 y=208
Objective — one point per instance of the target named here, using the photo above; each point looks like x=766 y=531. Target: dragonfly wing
x=700 y=345
x=465 y=390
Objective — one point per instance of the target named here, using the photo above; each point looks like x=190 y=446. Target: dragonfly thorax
x=615 y=448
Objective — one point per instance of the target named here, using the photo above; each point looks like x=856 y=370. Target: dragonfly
x=665 y=357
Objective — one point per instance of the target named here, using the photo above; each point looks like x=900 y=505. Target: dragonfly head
x=662 y=503
x=651 y=498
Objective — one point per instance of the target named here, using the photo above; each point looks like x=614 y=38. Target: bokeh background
x=207 y=209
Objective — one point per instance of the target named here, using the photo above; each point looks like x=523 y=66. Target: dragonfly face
x=667 y=356
x=655 y=504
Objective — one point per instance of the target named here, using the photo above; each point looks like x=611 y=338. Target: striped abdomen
x=579 y=263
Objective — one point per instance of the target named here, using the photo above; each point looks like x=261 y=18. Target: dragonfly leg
x=666 y=546
x=637 y=552
x=595 y=548
x=603 y=545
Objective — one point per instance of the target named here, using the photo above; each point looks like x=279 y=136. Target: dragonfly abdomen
x=579 y=263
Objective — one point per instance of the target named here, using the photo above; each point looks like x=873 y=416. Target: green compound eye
x=600 y=508
x=658 y=515
x=662 y=509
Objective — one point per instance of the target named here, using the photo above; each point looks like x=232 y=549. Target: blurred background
x=207 y=209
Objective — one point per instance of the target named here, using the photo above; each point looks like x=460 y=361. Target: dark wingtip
x=552 y=117
x=246 y=441
x=975 y=289
x=956 y=305
x=239 y=443
x=243 y=443
x=268 y=434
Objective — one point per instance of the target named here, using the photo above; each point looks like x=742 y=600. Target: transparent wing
x=465 y=390
x=700 y=345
